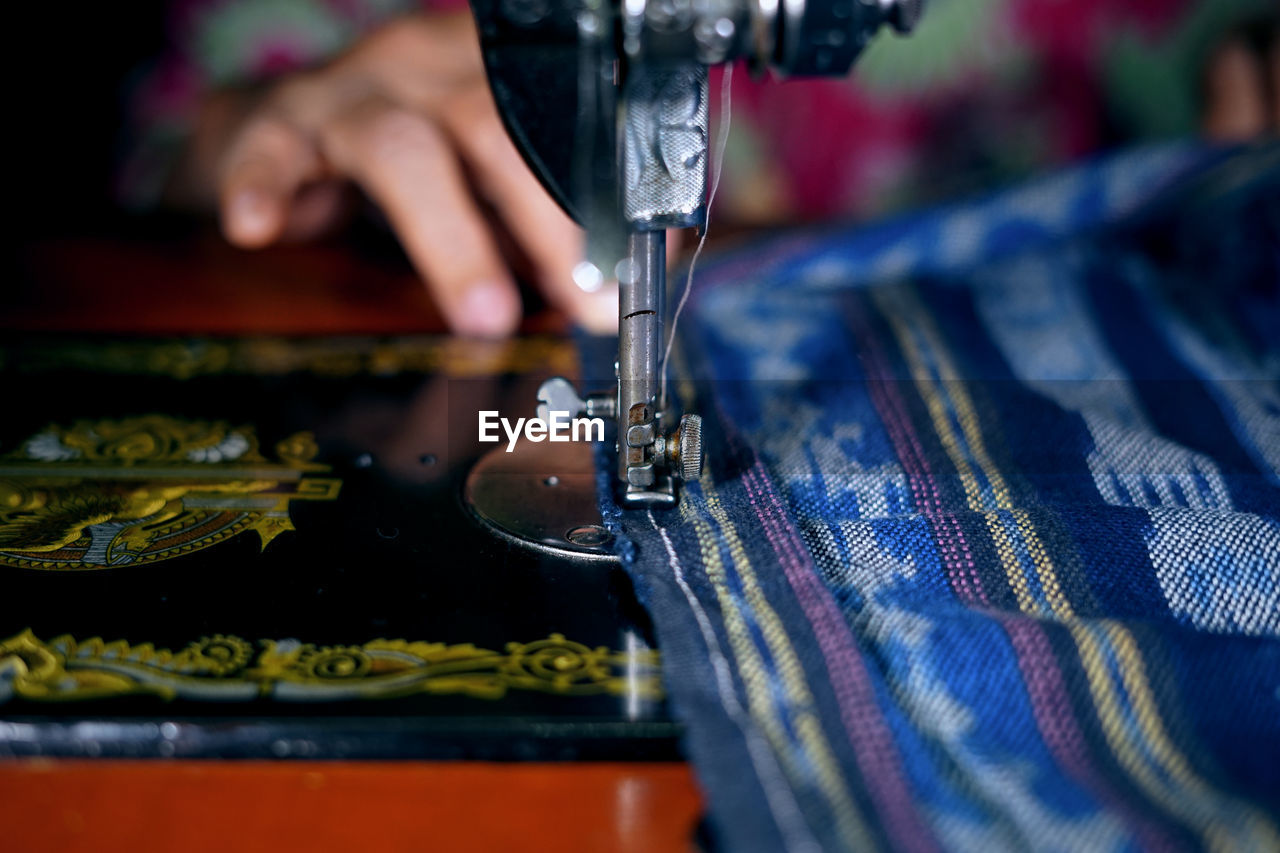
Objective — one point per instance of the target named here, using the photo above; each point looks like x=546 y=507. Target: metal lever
x=557 y=394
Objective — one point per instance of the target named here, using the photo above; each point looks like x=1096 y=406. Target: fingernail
x=250 y=217
x=488 y=310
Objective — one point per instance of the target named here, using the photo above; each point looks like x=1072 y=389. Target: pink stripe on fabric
x=868 y=734
x=952 y=547
x=1049 y=699
x=1051 y=706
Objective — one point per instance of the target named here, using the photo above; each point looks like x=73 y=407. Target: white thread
x=778 y=793
x=722 y=140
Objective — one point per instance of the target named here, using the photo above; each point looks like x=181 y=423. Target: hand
x=1242 y=86
x=406 y=116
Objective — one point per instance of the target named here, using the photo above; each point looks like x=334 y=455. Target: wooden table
x=102 y=807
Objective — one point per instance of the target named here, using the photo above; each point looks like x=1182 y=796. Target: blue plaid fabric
x=987 y=553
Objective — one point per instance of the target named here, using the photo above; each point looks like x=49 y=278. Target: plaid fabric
x=987 y=554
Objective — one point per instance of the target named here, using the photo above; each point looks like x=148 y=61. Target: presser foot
x=651 y=462
x=661 y=493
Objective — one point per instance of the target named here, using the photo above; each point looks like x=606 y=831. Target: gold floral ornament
x=557 y=662
x=106 y=493
x=229 y=668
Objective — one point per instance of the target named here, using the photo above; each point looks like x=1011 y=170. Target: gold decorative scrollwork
x=229 y=668
x=105 y=493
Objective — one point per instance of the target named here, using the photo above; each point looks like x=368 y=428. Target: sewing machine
x=282 y=568
x=608 y=104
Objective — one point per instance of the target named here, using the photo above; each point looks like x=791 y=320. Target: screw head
x=690 y=447
x=589 y=536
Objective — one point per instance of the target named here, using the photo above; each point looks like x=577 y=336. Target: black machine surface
x=243 y=548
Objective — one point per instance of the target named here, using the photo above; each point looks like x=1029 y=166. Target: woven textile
x=987 y=553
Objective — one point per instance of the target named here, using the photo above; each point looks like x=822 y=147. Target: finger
x=1236 y=94
x=546 y=234
x=675 y=243
x=406 y=164
x=317 y=209
x=265 y=166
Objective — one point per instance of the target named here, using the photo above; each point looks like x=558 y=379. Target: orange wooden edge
x=188 y=806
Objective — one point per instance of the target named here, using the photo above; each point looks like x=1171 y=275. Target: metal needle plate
x=542 y=496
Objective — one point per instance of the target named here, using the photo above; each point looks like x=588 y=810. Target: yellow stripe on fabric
x=937 y=407
x=1058 y=602
x=1107 y=699
x=849 y=823
x=1218 y=831
x=971 y=426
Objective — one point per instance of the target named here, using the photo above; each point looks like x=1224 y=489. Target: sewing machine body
x=608 y=104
